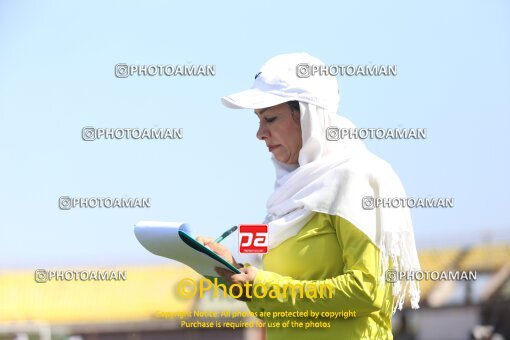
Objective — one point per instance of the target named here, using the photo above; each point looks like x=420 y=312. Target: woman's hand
x=219 y=249
x=247 y=276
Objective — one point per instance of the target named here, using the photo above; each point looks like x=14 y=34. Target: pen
x=225 y=234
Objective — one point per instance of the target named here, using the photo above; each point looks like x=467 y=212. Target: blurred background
x=57 y=63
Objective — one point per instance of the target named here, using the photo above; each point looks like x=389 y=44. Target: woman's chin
x=278 y=157
x=281 y=159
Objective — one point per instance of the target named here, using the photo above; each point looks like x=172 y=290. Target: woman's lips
x=271 y=147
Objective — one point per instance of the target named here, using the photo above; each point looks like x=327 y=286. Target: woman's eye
x=270 y=120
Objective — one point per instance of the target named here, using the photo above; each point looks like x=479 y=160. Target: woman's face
x=280 y=129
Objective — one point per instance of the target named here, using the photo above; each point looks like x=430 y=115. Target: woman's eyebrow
x=261 y=111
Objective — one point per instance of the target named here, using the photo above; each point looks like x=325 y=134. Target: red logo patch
x=253 y=238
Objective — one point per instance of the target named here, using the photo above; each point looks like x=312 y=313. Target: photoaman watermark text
x=189 y=288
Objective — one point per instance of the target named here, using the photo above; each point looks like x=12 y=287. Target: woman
x=319 y=232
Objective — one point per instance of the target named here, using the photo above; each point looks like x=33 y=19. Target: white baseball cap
x=288 y=77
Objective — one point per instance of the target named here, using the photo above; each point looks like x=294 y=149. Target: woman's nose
x=262 y=132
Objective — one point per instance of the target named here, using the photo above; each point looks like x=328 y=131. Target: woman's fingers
x=204 y=240
x=250 y=273
x=247 y=275
x=226 y=274
x=209 y=243
x=231 y=276
x=219 y=249
x=239 y=278
x=216 y=247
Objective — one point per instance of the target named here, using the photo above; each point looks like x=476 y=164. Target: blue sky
x=57 y=75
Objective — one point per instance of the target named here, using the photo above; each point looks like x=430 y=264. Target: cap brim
x=252 y=99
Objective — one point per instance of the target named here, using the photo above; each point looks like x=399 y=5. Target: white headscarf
x=332 y=177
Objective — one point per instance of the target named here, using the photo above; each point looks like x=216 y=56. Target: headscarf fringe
x=396 y=260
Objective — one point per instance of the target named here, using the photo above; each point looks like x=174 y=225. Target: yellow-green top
x=332 y=257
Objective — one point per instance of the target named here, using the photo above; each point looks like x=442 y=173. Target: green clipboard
x=190 y=241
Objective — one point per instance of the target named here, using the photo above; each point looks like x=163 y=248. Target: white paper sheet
x=162 y=238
